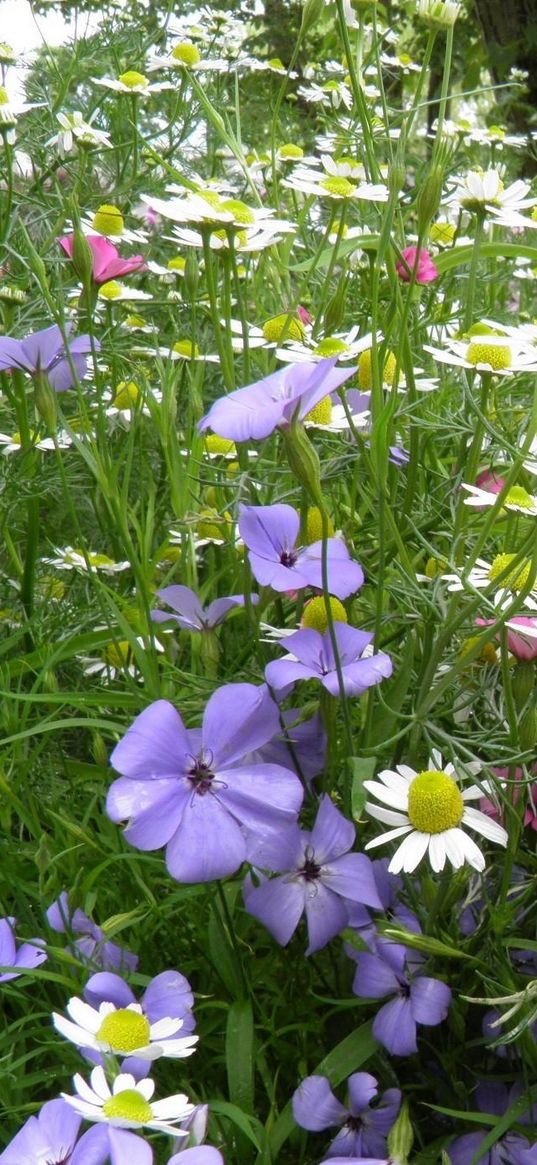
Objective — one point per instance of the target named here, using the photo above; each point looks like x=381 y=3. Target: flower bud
x=527 y=733
x=191 y=275
x=401 y=1137
x=311 y=13
x=522 y=683
x=303 y=461
x=45 y=400
x=429 y=197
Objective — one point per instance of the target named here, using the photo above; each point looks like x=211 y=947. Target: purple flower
x=199 y=1155
x=28 y=956
x=257 y=410
x=49 y=1137
x=312 y=657
x=388 y=886
x=191 y=614
x=363 y=1129
x=301 y=745
x=418 y=999
x=92 y=946
x=103 y=1143
x=195 y=791
x=45 y=351
x=270 y=534
x=319 y=875
x=512 y=1149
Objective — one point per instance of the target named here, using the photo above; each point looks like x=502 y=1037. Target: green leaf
x=240 y=1054
x=248 y=1125
x=362 y=769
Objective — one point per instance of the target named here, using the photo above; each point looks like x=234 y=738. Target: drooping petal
x=185 y=602
x=395 y=1027
x=106 y=987
x=326 y=915
x=373 y=978
x=332 y=834
x=315 y=1107
x=278 y=904
x=169 y=994
x=152 y=810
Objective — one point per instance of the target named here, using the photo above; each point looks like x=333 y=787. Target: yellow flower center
x=291 y=151
x=108 y=220
x=486 y=655
x=321 y=413
x=338 y=229
x=98 y=560
x=110 y=290
x=331 y=346
x=213 y=525
x=518 y=496
x=212 y=197
x=276 y=63
x=497 y=355
x=314 y=614
x=434 y=802
x=128 y=1105
x=514 y=579
x=187 y=349
x=7 y=54
x=176 y=264
x=4 y=99
x=338 y=187
x=435 y=567
x=118 y=655
x=314 y=526
x=222 y=445
x=240 y=237
x=186 y=53
x=240 y=211
x=365 y=370
x=442 y=233
x=127 y=395
x=124 y=1031
x=284 y=327
x=131 y=79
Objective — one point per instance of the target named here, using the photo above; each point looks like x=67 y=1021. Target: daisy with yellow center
x=128 y=1103
x=429 y=810
x=507 y=573
x=487 y=352
x=308 y=180
x=123 y=1031
x=517 y=499
x=132 y=82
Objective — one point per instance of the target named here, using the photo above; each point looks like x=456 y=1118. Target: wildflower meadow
x=268 y=590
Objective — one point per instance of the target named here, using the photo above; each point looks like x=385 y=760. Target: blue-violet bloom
x=363 y=1129
x=91 y=946
x=45 y=351
x=270 y=534
x=311 y=657
x=24 y=958
x=190 y=613
x=417 y=998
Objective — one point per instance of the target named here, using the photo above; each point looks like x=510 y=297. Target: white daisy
x=487 y=353
x=484 y=190
x=309 y=181
x=128 y=1105
x=488 y=574
x=132 y=82
x=517 y=498
x=74 y=130
x=123 y=1031
x=70 y=559
x=428 y=809
x=12 y=442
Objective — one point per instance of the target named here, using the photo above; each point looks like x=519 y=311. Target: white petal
x=410 y=853
x=164 y=1028
x=406 y=772
x=86 y=1016
x=124 y=1082
x=386 y=815
x=86 y=1093
x=437 y=852
x=173 y=1107
x=146 y=1088
x=472 y=853
x=454 y=848
x=179 y=1049
x=390 y=836
x=77 y=1035
x=388 y=796
x=485 y=825
x=397 y=783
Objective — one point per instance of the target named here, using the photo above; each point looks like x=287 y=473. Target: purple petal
x=315 y=1107
x=169 y=994
x=324 y=379
x=61 y=377
x=7 y=944
x=351 y=877
x=344 y=576
x=362 y=1090
x=359 y=676
x=332 y=834
x=199 y=1155
x=253 y=411
x=280 y=673
x=153 y=810
x=463 y=1150
x=278 y=904
x=278 y=850
x=264 y=798
x=105 y=987
x=12 y=354
x=430 y=1000
x=44 y=1137
x=40 y=348
x=373 y=978
x=29 y=955
x=238 y=719
x=383 y=1117
x=189 y=611
x=156 y=745
x=269 y=530
x=57 y=914
x=208 y=843
x=395 y=1028
x=326 y=915
x=218 y=609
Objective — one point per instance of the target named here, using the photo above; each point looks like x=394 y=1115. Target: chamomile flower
x=69 y=558
x=484 y=575
x=500 y=355
x=128 y=1104
x=12 y=443
x=132 y=82
x=517 y=498
x=114 y=292
x=484 y=191
x=344 y=346
x=428 y=809
x=74 y=130
x=335 y=186
x=123 y=1031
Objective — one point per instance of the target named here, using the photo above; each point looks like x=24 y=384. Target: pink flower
x=530 y=813
x=107 y=263
x=425 y=268
x=303 y=314
x=488 y=480
x=522 y=645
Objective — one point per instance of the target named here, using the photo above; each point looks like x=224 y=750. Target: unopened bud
x=522 y=683
x=335 y=308
x=429 y=197
x=401 y=1136
x=45 y=400
x=303 y=461
x=82 y=258
x=191 y=275
x=311 y=13
x=99 y=750
x=527 y=732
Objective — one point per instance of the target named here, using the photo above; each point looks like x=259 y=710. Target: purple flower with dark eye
x=50 y=1136
x=363 y=1129
x=495 y=1098
x=311 y=657
x=190 y=613
x=319 y=874
x=46 y=352
x=417 y=998
x=291 y=393
x=270 y=534
x=92 y=946
x=195 y=790
x=28 y=956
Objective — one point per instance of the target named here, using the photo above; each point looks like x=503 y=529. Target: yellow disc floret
x=313 y=530
x=108 y=220
x=186 y=348
x=434 y=802
x=365 y=370
x=186 y=53
x=283 y=327
x=496 y=355
x=132 y=80
x=219 y=445
x=513 y=579
x=290 y=151
x=176 y=264
x=331 y=346
x=241 y=212
x=127 y=395
x=518 y=496
x=315 y=616
x=124 y=1031
x=321 y=413
x=338 y=187
x=118 y=655
x=110 y=290
x=128 y=1105
x=214 y=526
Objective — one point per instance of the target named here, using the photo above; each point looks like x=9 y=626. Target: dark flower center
x=288 y=557
x=404 y=989
x=64 y=1159
x=201 y=777
x=311 y=870
x=354 y=1124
